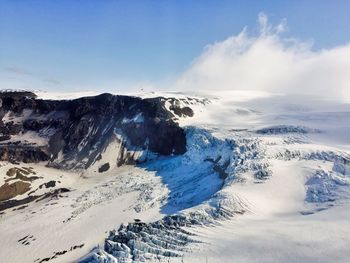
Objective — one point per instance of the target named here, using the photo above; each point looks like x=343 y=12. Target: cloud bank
x=270 y=62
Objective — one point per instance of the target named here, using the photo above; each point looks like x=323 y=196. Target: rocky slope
x=74 y=133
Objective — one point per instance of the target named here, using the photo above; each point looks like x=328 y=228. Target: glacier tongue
x=198 y=196
x=201 y=187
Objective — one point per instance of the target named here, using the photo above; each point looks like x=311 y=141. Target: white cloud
x=269 y=62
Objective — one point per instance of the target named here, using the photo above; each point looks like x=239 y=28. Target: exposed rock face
x=185 y=111
x=21 y=174
x=8 y=191
x=74 y=133
x=103 y=168
x=24 y=153
x=30 y=198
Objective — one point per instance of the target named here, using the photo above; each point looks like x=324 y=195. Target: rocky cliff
x=75 y=133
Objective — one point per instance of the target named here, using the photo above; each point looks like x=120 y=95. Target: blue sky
x=64 y=45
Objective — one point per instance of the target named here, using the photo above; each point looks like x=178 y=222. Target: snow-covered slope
x=261 y=174
x=278 y=161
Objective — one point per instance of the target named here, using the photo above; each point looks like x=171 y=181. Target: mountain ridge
x=78 y=131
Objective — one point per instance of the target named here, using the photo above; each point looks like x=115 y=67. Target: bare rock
x=8 y=191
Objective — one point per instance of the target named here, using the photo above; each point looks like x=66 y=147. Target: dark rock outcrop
x=185 y=111
x=15 y=203
x=103 y=168
x=78 y=131
x=24 y=153
x=8 y=191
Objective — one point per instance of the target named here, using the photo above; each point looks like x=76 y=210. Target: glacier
x=256 y=174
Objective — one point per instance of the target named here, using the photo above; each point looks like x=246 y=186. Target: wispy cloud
x=18 y=70
x=18 y=76
x=270 y=62
x=52 y=81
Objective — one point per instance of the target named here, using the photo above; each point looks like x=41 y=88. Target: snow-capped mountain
x=174 y=177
